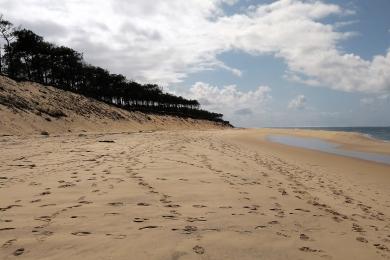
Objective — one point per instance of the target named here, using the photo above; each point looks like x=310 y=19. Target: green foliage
x=28 y=57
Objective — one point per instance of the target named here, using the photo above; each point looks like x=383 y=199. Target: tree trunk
x=1 y=62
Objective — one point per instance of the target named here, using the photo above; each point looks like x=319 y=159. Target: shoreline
x=355 y=141
x=212 y=194
x=336 y=129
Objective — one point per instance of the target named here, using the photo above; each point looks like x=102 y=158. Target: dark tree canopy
x=28 y=57
x=7 y=34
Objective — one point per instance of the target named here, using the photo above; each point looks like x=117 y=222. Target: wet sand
x=216 y=194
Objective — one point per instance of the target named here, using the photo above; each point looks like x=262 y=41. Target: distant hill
x=32 y=108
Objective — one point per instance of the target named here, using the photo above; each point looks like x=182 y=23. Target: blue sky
x=261 y=63
x=323 y=106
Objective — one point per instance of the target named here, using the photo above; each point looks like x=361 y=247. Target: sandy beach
x=134 y=130
x=214 y=194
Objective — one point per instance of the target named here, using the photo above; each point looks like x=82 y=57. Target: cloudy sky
x=260 y=62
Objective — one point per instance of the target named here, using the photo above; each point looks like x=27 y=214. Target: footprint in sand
x=67 y=185
x=172 y=217
x=199 y=206
x=120 y=236
x=303 y=237
x=165 y=200
x=147 y=227
x=283 y=192
x=382 y=247
x=115 y=204
x=252 y=207
x=43 y=234
x=9 y=207
x=172 y=206
x=81 y=233
x=261 y=226
x=304 y=210
x=362 y=239
x=282 y=234
x=139 y=220
x=193 y=219
x=225 y=207
x=143 y=204
x=308 y=249
x=189 y=229
x=18 y=251
x=111 y=214
x=47 y=205
x=357 y=228
x=6 y=229
x=74 y=206
x=198 y=249
x=36 y=229
x=85 y=202
x=44 y=218
x=9 y=243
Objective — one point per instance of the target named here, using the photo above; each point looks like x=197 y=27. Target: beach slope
x=32 y=108
x=216 y=194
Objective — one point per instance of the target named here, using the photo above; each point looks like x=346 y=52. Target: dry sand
x=216 y=194
x=31 y=108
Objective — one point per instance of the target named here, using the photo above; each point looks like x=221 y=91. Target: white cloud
x=299 y=102
x=384 y=97
x=375 y=101
x=228 y=100
x=342 y=24
x=292 y=30
x=367 y=101
x=164 y=41
x=147 y=40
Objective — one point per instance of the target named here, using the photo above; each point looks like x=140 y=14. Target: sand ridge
x=30 y=108
x=185 y=195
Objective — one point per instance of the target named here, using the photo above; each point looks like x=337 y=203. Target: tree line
x=27 y=56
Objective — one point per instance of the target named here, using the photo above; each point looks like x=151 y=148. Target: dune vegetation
x=27 y=56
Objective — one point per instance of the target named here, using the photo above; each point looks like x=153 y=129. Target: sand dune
x=217 y=194
x=31 y=108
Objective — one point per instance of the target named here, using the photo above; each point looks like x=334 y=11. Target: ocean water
x=329 y=147
x=382 y=133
